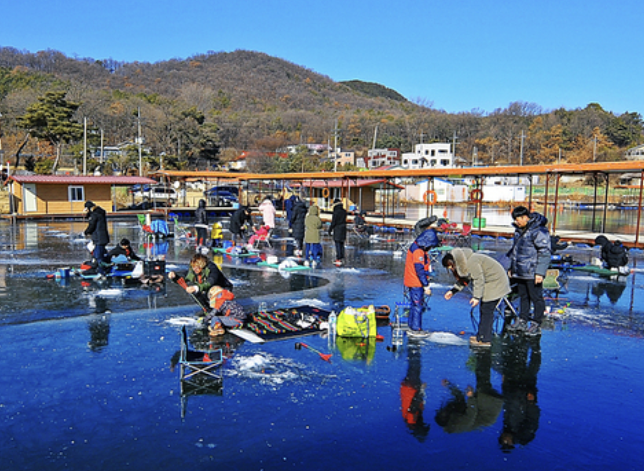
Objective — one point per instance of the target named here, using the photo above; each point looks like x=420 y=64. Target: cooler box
x=476 y=221
x=154 y=267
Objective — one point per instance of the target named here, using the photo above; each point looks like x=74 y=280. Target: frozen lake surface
x=88 y=381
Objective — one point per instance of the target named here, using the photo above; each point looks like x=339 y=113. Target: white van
x=158 y=193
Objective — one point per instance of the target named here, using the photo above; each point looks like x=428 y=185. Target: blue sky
x=459 y=55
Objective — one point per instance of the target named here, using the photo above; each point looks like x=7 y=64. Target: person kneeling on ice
x=613 y=255
x=124 y=248
x=488 y=281
x=225 y=311
x=202 y=275
x=417 y=268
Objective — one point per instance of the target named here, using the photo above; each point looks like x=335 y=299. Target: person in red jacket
x=417 y=268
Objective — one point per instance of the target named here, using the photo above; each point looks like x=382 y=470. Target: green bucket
x=476 y=222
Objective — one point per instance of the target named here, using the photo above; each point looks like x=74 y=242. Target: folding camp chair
x=464 y=238
x=180 y=230
x=504 y=314
x=199 y=375
x=146 y=230
x=263 y=238
x=551 y=285
x=198 y=362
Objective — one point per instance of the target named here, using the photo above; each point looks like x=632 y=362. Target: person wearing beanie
x=338 y=229
x=97 y=230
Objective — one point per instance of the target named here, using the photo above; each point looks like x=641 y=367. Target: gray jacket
x=489 y=280
x=530 y=252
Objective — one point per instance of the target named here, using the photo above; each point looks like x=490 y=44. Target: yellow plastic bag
x=357 y=322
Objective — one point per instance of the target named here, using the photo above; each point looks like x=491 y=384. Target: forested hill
x=250 y=78
x=243 y=100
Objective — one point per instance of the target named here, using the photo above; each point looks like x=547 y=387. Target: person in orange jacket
x=416 y=280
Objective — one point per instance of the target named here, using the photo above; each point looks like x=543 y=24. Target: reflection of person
x=97 y=229
x=489 y=284
x=202 y=275
x=338 y=229
x=520 y=364
x=472 y=409
x=268 y=212
x=312 y=237
x=612 y=289
x=201 y=223
x=238 y=221
x=412 y=397
x=416 y=280
x=529 y=260
x=298 y=220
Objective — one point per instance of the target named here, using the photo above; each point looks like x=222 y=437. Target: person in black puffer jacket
x=613 y=254
x=97 y=229
x=201 y=223
x=338 y=229
x=529 y=259
x=238 y=221
x=298 y=217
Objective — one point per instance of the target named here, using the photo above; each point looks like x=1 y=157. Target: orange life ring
x=476 y=195
x=429 y=197
x=325 y=192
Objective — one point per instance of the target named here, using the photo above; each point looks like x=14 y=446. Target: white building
x=435 y=155
x=379 y=158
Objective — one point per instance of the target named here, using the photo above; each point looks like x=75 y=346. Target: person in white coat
x=268 y=212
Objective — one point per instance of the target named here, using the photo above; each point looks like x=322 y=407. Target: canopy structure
x=551 y=172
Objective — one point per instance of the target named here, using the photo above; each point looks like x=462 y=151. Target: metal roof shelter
x=554 y=172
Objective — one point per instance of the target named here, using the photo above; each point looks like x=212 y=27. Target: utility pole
x=335 y=147
x=84 y=145
x=594 y=148
x=1 y=151
x=102 y=147
x=454 y=147
x=521 y=152
x=138 y=139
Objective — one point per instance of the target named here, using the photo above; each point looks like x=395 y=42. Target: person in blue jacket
x=529 y=259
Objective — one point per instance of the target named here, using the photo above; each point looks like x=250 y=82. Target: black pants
x=486 y=320
x=202 y=236
x=531 y=293
x=339 y=249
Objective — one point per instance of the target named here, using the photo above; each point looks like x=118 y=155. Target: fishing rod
x=181 y=282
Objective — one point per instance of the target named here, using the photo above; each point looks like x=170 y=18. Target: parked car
x=218 y=197
x=156 y=193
